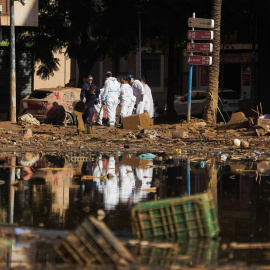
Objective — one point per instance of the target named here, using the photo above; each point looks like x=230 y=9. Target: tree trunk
x=211 y=172
x=210 y=109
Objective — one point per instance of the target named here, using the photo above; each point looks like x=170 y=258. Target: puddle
x=49 y=193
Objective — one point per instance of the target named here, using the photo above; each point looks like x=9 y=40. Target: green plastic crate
x=92 y=242
x=183 y=217
x=191 y=252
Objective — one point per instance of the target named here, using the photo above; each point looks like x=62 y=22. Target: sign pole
x=190 y=83
x=188 y=177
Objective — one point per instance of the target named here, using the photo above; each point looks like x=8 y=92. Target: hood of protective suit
x=112 y=79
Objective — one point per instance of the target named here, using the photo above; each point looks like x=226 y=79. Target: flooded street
x=44 y=196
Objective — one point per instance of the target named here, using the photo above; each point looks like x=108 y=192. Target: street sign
x=199 y=47
x=200 y=35
x=200 y=60
x=200 y=23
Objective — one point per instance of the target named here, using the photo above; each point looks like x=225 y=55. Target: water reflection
x=47 y=191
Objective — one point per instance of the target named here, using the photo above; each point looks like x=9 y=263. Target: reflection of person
x=98 y=172
x=87 y=169
x=144 y=178
x=111 y=190
x=110 y=97
x=127 y=182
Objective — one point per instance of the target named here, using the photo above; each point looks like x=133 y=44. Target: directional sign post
x=200 y=47
x=200 y=60
x=201 y=23
x=201 y=35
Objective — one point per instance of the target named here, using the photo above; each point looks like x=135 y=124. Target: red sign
x=200 y=60
x=199 y=47
x=200 y=35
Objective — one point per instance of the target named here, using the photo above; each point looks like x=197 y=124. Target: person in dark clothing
x=89 y=99
x=85 y=87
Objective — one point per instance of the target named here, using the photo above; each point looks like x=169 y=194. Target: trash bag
x=28 y=119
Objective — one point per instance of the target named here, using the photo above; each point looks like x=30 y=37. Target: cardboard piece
x=137 y=121
x=134 y=161
x=179 y=134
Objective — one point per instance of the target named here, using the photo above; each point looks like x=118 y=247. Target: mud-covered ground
x=202 y=140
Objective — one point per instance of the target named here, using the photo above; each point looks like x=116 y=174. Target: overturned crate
x=183 y=217
x=93 y=243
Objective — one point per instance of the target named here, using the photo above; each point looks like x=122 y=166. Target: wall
x=60 y=77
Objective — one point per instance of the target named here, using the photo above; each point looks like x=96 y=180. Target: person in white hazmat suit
x=111 y=96
x=126 y=94
x=98 y=107
x=133 y=102
x=111 y=190
x=138 y=92
x=148 y=92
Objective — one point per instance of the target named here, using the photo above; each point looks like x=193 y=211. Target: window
x=151 y=69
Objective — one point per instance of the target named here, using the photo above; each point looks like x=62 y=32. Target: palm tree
x=210 y=109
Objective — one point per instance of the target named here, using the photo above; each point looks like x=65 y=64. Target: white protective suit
x=97 y=173
x=138 y=91
x=125 y=99
x=110 y=97
x=133 y=102
x=143 y=105
x=127 y=183
x=97 y=108
x=148 y=92
x=111 y=190
x=144 y=176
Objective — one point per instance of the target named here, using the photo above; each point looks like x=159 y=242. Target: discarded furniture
x=182 y=217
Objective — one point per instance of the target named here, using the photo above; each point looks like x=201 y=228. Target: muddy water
x=50 y=192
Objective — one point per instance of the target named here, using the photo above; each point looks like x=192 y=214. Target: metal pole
x=12 y=65
x=140 y=48
x=188 y=177
x=190 y=82
x=189 y=91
